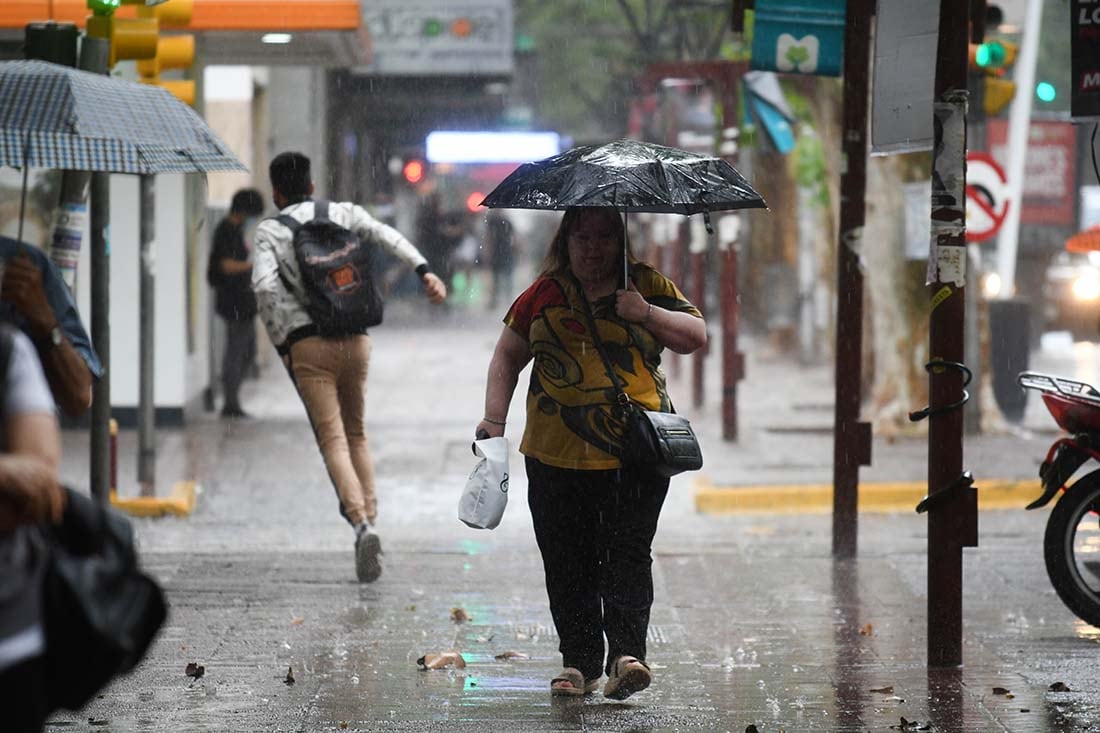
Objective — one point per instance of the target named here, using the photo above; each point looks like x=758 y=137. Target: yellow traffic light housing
x=173 y=52
x=169 y=13
x=997 y=94
x=130 y=38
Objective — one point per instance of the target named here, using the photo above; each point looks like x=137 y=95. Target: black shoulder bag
x=661 y=442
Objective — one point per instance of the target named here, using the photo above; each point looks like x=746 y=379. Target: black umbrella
x=628 y=175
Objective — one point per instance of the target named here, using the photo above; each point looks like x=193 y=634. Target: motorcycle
x=1071 y=544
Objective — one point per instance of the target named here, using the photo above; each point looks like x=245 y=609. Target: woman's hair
x=556 y=261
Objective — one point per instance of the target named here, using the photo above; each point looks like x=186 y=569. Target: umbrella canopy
x=1086 y=241
x=628 y=175
x=53 y=116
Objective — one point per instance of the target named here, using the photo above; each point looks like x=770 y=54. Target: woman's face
x=595 y=251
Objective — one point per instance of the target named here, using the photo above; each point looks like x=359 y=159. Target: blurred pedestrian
x=329 y=371
x=594 y=515
x=229 y=272
x=502 y=256
x=35 y=298
x=30 y=450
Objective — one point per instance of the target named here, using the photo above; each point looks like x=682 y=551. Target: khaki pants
x=331 y=377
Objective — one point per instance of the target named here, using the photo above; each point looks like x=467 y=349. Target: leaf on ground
x=1025 y=710
x=289 y=676
x=459 y=615
x=866 y=630
x=343 y=725
x=1059 y=687
x=888 y=690
x=411 y=607
x=441 y=660
x=1000 y=691
x=751 y=729
x=297 y=621
x=194 y=670
x=911 y=725
x=504 y=656
x=97 y=721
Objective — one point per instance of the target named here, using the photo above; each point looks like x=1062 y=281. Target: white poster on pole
x=906 y=34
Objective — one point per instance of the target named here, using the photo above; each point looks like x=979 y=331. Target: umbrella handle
x=626 y=256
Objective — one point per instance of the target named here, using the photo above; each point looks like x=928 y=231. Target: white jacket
x=281 y=308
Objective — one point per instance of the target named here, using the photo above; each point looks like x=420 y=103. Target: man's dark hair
x=290 y=175
x=247 y=202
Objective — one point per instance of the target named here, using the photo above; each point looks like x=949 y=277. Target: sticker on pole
x=986 y=197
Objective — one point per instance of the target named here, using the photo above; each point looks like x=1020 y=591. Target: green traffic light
x=1045 y=91
x=432 y=27
x=103 y=7
x=990 y=54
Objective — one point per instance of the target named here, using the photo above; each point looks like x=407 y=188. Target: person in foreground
x=594 y=515
x=329 y=371
x=30 y=492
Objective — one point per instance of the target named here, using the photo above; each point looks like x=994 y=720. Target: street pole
x=952 y=501
x=147 y=439
x=852 y=438
x=1019 y=126
x=94 y=57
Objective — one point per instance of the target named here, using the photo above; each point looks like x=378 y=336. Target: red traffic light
x=413 y=171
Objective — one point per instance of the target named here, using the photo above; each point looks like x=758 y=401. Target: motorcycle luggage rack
x=1058 y=385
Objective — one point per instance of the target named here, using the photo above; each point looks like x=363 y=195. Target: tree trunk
x=898 y=299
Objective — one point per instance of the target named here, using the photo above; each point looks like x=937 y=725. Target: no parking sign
x=986 y=196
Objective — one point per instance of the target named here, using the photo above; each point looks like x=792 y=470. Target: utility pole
x=952 y=502
x=852 y=438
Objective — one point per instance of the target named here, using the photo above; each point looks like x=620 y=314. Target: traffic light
x=413 y=170
x=1046 y=92
x=130 y=38
x=172 y=52
x=993 y=58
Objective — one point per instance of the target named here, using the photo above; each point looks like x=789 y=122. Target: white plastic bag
x=486 y=493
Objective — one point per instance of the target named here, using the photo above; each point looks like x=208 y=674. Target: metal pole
x=147 y=437
x=852 y=438
x=94 y=57
x=1019 y=125
x=733 y=361
x=952 y=506
x=699 y=296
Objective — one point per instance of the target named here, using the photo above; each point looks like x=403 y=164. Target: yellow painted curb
x=181 y=502
x=900 y=496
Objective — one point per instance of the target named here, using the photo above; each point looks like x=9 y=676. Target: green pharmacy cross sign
x=799 y=36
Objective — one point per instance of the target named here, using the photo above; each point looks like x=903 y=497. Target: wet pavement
x=754 y=623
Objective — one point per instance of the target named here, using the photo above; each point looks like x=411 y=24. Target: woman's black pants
x=594 y=530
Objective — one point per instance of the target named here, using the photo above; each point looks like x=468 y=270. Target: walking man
x=329 y=370
x=229 y=273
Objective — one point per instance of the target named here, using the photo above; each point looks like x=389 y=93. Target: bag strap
x=320 y=211
x=624 y=399
x=7 y=344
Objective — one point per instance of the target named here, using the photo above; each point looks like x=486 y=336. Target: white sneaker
x=368 y=551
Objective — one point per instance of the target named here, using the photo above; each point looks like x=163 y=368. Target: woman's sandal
x=628 y=675
x=571 y=683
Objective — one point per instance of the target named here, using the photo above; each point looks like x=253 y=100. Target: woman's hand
x=486 y=429
x=29 y=492
x=630 y=305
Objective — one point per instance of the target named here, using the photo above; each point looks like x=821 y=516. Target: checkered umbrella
x=53 y=116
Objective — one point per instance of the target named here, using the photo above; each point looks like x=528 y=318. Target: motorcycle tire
x=1059 y=545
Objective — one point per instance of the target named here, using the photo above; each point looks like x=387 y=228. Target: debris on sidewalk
x=888 y=690
x=441 y=660
x=459 y=615
x=297 y=621
x=505 y=656
x=194 y=670
x=911 y=725
x=1003 y=691
x=1059 y=687
x=289 y=676
x=867 y=630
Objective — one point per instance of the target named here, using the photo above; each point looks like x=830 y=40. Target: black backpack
x=335 y=267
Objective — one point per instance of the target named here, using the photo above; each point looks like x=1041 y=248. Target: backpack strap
x=320 y=210
x=289 y=222
x=7 y=344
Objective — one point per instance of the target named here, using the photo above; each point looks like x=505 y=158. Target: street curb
x=900 y=496
x=180 y=502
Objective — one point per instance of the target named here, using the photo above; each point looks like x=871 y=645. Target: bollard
x=114 y=456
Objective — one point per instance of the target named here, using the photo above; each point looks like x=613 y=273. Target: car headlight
x=991 y=285
x=1087 y=286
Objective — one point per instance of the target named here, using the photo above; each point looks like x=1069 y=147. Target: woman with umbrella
x=594 y=514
